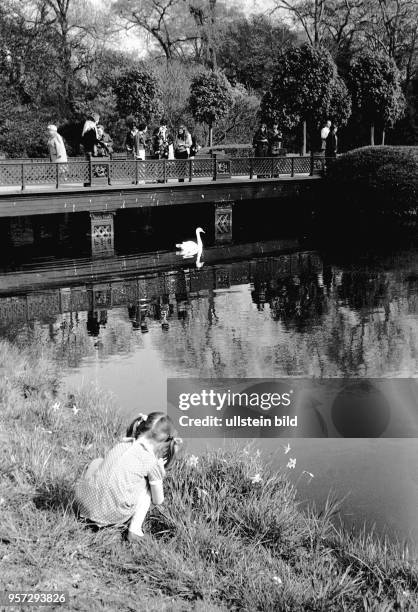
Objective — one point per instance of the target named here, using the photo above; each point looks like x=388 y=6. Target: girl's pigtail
x=136 y=427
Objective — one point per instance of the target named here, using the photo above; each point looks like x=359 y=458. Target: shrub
x=384 y=177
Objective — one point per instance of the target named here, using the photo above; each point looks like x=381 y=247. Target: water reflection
x=290 y=314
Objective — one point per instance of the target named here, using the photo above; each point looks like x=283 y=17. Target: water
x=257 y=308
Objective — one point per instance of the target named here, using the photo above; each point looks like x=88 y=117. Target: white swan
x=190 y=248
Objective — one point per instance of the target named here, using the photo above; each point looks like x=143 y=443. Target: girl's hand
x=161 y=464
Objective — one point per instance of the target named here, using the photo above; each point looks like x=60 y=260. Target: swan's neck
x=199 y=240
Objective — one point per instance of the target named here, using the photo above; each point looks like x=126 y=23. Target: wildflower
x=75 y=410
x=277 y=580
x=246 y=451
x=193 y=461
x=256 y=478
x=202 y=493
x=291 y=464
x=257 y=453
x=286 y=449
x=2 y=501
x=56 y=406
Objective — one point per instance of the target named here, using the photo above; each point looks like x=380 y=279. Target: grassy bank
x=382 y=178
x=220 y=542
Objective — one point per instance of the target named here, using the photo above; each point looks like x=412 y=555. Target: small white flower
x=246 y=451
x=2 y=501
x=291 y=464
x=277 y=580
x=287 y=449
x=56 y=406
x=256 y=478
x=75 y=410
x=257 y=453
x=193 y=461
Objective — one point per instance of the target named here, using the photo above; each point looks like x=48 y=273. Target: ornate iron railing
x=104 y=171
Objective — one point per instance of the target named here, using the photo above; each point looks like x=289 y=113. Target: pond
x=257 y=308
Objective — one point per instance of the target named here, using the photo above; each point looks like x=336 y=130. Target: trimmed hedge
x=378 y=178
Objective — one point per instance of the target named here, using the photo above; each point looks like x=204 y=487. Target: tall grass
x=220 y=541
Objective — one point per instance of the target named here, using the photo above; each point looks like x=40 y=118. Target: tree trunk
x=304 y=139
x=210 y=135
x=383 y=136
x=372 y=135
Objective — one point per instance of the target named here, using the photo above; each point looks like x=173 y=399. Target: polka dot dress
x=109 y=490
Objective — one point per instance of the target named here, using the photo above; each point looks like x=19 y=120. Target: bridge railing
x=102 y=171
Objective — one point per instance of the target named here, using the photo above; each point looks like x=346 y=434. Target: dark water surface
x=261 y=307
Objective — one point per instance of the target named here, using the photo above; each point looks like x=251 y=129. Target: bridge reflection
x=162 y=294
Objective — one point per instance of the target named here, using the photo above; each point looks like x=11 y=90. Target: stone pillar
x=223 y=222
x=102 y=234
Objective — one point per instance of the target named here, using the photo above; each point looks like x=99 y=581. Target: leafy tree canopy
x=305 y=87
x=210 y=97
x=375 y=85
x=138 y=94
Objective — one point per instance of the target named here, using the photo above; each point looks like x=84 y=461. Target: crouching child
x=119 y=488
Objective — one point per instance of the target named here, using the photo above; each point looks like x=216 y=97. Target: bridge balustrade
x=21 y=174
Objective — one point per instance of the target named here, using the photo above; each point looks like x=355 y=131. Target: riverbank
x=224 y=540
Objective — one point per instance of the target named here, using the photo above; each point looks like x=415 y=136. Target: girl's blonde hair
x=161 y=429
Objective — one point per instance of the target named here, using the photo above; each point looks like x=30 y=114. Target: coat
x=183 y=144
x=331 y=145
x=261 y=143
x=104 y=146
x=89 y=136
x=275 y=143
x=56 y=147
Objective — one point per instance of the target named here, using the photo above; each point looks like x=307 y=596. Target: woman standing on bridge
x=56 y=147
x=182 y=146
x=261 y=144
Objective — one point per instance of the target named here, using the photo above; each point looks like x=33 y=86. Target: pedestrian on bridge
x=89 y=135
x=56 y=146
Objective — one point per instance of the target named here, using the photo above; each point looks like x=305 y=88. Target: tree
x=249 y=47
x=137 y=94
x=174 y=79
x=237 y=125
x=305 y=87
x=167 y=23
x=210 y=98
x=375 y=86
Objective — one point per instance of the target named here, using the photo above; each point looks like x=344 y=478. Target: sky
x=132 y=42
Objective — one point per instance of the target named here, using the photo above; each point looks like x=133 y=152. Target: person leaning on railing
x=104 y=145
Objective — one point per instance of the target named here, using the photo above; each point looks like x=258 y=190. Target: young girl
x=119 y=488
